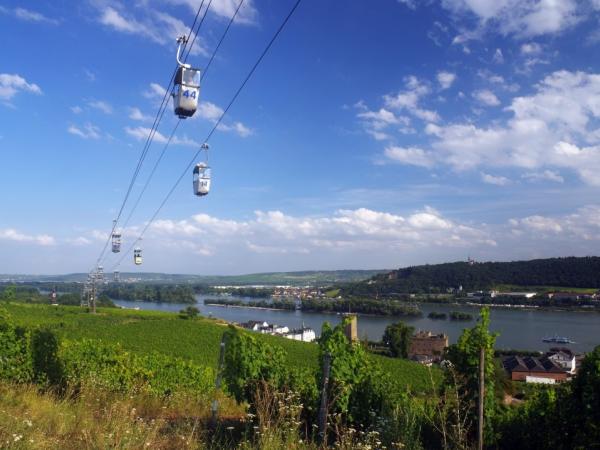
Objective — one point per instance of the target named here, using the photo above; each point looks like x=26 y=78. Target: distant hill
x=566 y=272
x=305 y=278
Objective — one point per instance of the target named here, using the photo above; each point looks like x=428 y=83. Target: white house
x=566 y=360
x=301 y=334
x=255 y=325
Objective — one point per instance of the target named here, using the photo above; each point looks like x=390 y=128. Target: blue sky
x=373 y=135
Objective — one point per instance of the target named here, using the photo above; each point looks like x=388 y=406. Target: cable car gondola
x=137 y=256
x=186 y=90
x=201 y=176
x=116 y=238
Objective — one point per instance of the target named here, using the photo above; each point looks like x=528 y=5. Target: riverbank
x=518 y=327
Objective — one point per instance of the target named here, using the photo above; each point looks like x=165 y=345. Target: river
x=517 y=328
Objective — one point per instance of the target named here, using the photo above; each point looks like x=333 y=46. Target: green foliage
x=464 y=356
x=110 y=367
x=144 y=332
x=15 y=362
x=457 y=315
x=166 y=293
x=104 y=301
x=586 y=400
x=397 y=338
x=8 y=293
x=434 y=315
x=191 y=312
x=47 y=367
x=70 y=298
x=557 y=417
x=356 y=384
x=249 y=362
x=361 y=305
x=567 y=272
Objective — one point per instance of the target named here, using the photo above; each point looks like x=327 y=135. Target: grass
x=196 y=340
x=32 y=419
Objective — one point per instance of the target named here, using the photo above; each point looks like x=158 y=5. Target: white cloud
x=446 y=79
x=79 y=241
x=411 y=4
x=362 y=228
x=155 y=91
x=28 y=15
x=141 y=134
x=409 y=100
x=531 y=48
x=546 y=175
x=555 y=127
x=225 y=9
x=411 y=156
x=88 y=131
x=375 y=122
x=498 y=56
x=211 y=112
x=76 y=109
x=236 y=127
x=100 y=105
x=11 y=84
x=136 y=114
x=11 y=234
x=495 y=180
x=157 y=26
x=91 y=76
x=518 y=17
x=486 y=97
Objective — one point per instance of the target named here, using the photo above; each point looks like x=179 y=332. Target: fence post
x=481 y=397
x=323 y=409
x=215 y=402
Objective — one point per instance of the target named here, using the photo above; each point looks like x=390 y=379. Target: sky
x=374 y=134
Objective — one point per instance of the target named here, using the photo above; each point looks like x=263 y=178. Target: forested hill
x=566 y=272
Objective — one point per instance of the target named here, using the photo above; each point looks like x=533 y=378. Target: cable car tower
x=186 y=86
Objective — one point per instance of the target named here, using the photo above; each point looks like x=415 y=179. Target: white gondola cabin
x=186 y=90
x=137 y=256
x=201 y=177
x=116 y=242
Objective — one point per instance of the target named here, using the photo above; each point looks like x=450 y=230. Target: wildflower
x=230 y=428
x=17 y=437
x=28 y=422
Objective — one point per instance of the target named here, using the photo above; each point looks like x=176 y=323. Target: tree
x=397 y=338
x=9 y=294
x=249 y=362
x=47 y=367
x=356 y=384
x=586 y=401
x=464 y=357
x=190 y=312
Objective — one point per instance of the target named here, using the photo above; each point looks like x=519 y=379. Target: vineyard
x=146 y=332
x=138 y=379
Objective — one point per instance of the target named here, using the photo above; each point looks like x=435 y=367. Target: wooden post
x=481 y=397
x=323 y=409
x=94 y=297
x=215 y=403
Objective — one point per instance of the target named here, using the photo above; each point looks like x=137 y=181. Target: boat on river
x=558 y=340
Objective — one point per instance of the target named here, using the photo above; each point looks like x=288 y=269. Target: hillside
x=570 y=272
x=144 y=332
x=304 y=278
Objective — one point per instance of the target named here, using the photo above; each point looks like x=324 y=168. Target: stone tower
x=351 y=327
